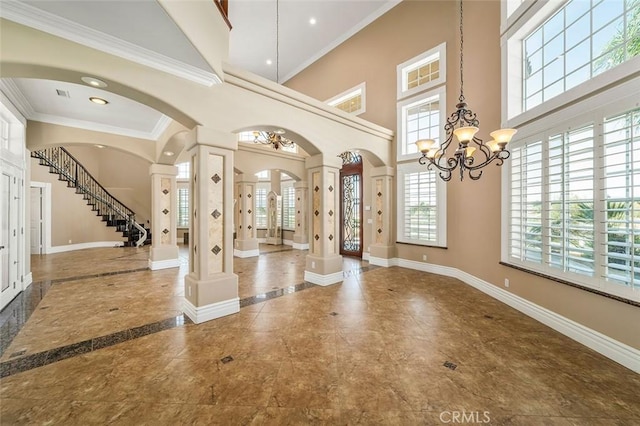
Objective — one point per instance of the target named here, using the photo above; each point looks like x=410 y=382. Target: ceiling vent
x=63 y=93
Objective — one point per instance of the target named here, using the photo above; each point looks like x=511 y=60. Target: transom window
x=351 y=101
x=581 y=40
x=422 y=72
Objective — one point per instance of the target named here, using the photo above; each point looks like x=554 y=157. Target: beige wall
x=125 y=176
x=473 y=208
x=72 y=221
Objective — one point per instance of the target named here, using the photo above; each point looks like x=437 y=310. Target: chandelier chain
x=461 y=98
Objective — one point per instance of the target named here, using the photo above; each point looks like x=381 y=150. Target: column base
x=163 y=257
x=324 y=270
x=246 y=248
x=300 y=246
x=246 y=253
x=212 y=298
x=210 y=312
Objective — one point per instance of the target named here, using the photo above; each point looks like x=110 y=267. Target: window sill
x=422 y=245
x=572 y=284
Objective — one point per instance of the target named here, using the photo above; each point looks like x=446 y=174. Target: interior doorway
x=10 y=231
x=351 y=205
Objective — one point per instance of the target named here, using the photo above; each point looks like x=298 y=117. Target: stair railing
x=60 y=161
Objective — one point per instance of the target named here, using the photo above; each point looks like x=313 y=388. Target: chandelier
x=275 y=138
x=463 y=124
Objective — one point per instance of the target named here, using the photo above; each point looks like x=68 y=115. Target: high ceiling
x=141 y=30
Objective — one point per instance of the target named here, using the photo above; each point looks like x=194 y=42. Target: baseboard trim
x=323 y=280
x=287 y=242
x=605 y=345
x=82 y=246
x=163 y=264
x=301 y=246
x=380 y=261
x=28 y=279
x=205 y=313
x=246 y=253
x=365 y=256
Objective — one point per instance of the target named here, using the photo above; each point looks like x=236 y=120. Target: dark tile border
x=40 y=359
x=571 y=284
x=19 y=310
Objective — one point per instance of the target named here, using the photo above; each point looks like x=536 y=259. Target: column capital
x=321 y=160
x=202 y=135
x=245 y=178
x=301 y=184
x=163 y=169
x=382 y=171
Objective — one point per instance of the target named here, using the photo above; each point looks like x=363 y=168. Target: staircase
x=112 y=211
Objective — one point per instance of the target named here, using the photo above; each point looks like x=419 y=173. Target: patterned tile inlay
x=317 y=237
x=379 y=212
x=330 y=237
x=249 y=227
x=379 y=194
x=165 y=211
x=316 y=189
x=215 y=178
x=216 y=214
x=330 y=212
x=216 y=250
x=226 y=359
x=379 y=231
x=330 y=188
x=165 y=191
x=316 y=212
x=165 y=231
x=249 y=196
x=249 y=211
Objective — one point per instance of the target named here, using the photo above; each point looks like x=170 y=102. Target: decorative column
x=382 y=251
x=211 y=287
x=164 y=207
x=246 y=242
x=324 y=262
x=301 y=233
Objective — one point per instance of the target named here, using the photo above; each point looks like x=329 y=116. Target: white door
x=37 y=220
x=11 y=284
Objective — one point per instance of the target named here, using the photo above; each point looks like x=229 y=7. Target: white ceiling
x=140 y=30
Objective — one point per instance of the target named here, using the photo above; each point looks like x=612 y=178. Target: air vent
x=63 y=93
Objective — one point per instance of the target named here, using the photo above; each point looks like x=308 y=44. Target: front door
x=351 y=205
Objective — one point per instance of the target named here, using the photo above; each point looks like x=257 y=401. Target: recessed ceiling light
x=92 y=81
x=168 y=153
x=99 y=146
x=269 y=62
x=98 y=101
x=312 y=21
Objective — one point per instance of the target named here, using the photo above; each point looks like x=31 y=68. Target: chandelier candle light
x=275 y=138
x=463 y=124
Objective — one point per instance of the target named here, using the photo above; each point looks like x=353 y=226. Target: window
x=352 y=101
x=183 y=170
x=288 y=207
x=183 y=207
x=419 y=118
x=421 y=206
x=422 y=72
x=580 y=41
x=559 y=52
x=262 y=188
x=183 y=194
x=574 y=203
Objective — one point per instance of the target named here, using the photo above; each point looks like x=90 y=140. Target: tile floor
x=107 y=344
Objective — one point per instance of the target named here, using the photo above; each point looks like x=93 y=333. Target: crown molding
x=9 y=87
x=160 y=127
x=88 y=125
x=38 y=19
